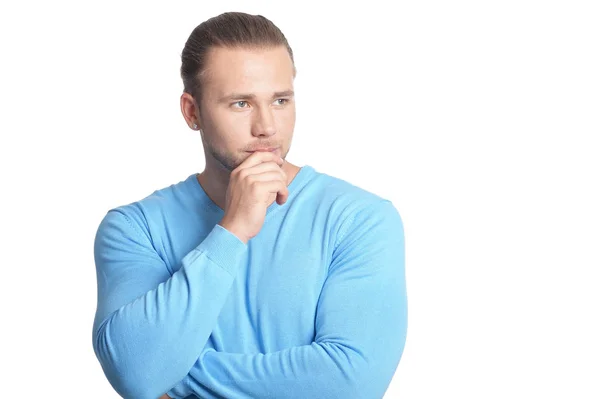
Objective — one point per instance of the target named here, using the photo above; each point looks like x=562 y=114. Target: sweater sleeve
x=361 y=326
x=150 y=325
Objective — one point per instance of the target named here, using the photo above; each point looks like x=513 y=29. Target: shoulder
x=137 y=216
x=345 y=198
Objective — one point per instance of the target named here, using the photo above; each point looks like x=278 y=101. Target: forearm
x=325 y=370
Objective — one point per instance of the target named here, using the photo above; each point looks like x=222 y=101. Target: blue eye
x=240 y=102
x=282 y=99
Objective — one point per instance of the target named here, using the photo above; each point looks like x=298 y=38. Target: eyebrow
x=244 y=96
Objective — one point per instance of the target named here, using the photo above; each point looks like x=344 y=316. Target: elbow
x=368 y=380
x=131 y=388
x=114 y=365
x=363 y=375
x=130 y=383
x=128 y=374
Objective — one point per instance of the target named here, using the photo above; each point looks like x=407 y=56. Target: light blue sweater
x=314 y=306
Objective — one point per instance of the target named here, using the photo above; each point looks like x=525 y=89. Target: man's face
x=246 y=104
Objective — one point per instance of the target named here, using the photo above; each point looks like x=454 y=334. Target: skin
x=229 y=128
x=232 y=127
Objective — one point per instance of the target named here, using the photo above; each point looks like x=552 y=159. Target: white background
x=478 y=119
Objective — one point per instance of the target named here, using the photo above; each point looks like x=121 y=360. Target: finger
x=259 y=157
x=282 y=197
x=274 y=186
x=272 y=175
x=260 y=168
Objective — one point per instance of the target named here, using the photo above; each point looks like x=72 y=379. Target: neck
x=215 y=180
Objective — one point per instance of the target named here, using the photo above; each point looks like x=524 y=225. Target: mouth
x=265 y=150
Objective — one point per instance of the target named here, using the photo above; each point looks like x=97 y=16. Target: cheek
x=232 y=118
x=228 y=126
x=287 y=118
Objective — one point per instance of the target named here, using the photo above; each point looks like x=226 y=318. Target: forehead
x=247 y=70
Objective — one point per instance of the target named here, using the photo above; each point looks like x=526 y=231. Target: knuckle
x=242 y=174
x=254 y=186
x=237 y=175
x=250 y=179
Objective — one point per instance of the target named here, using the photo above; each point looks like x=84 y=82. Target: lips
x=264 y=149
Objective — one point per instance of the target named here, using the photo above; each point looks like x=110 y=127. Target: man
x=255 y=278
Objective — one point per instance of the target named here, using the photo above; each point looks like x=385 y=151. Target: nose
x=264 y=123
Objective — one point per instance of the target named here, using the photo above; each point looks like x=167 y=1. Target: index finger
x=259 y=157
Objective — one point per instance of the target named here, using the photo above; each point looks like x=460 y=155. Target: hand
x=252 y=188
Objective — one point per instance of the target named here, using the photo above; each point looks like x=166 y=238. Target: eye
x=240 y=102
x=283 y=101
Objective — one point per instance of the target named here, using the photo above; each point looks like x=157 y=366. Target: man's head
x=238 y=73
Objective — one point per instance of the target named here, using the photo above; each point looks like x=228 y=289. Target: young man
x=255 y=278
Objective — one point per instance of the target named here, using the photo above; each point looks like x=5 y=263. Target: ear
x=189 y=111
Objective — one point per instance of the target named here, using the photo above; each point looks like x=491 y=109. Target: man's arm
x=150 y=326
x=361 y=326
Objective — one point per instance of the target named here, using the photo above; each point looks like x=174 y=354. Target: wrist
x=235 y=231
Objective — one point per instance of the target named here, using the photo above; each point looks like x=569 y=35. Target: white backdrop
x=478 y=119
